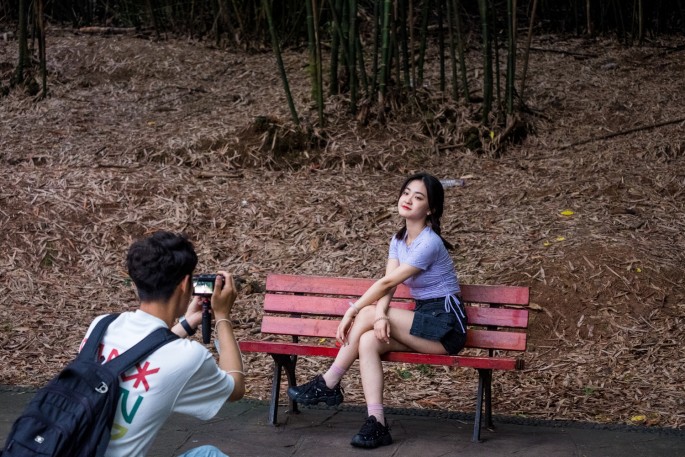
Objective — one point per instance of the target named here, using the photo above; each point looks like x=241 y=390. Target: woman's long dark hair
x=436 y=202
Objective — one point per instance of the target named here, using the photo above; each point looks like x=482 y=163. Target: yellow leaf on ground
x=638 y=418
x=561 y=238
x=567 y=212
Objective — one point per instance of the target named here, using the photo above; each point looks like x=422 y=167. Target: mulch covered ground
x=139 y=135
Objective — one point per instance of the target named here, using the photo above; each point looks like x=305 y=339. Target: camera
x=203 y=284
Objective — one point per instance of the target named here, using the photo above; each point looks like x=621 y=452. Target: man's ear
x=186 y=283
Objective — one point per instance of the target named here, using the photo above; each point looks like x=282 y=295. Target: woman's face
x=413 y=203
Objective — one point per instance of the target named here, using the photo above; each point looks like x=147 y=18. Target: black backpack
x=72 y=415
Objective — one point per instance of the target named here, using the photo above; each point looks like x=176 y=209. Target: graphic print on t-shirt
x=129 y=401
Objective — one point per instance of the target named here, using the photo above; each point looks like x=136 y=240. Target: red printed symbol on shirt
x=141 y=375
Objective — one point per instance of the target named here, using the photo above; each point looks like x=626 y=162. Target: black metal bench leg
x=479 y=406
x=281 y=362
x=488 y=400
x=292 y=381
x=275 y=390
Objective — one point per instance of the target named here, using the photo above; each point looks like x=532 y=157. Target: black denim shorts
x=432 y=322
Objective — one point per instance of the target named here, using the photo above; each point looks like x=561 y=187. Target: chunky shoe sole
x=330 y=401
x=372 y=444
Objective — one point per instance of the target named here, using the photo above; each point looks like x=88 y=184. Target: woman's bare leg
x=350 y=352
x=371 y=348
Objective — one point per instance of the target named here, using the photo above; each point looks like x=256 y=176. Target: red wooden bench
x=311 y=306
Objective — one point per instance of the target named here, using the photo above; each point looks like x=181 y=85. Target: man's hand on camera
x=194 y=312
x=224 y=295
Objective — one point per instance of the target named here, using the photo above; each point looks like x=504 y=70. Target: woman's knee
x=368 y=342
x=366 y=316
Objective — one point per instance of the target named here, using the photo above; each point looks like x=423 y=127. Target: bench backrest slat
x=312 y=306
x=332 y=306
x=320 y=328
x=324 y=285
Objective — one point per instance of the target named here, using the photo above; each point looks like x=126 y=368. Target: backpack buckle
x=102 y=388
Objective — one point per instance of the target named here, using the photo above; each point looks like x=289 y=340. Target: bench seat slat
x=476 y=338
x=325 y=285
x=331 y=306
x=495 y=363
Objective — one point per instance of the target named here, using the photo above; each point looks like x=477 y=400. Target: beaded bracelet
x=382 y=318
x=352 y=305
x=216 y=324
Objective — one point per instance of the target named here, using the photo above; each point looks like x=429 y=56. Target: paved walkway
x=241 y=430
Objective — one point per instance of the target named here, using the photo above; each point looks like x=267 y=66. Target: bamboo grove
x=374 y=53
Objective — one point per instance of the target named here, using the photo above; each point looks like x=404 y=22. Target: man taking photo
x=181 y=376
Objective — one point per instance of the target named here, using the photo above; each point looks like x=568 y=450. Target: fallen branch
x=107 y=30
x=567 y=53
x=624 y=132
x=214 y=174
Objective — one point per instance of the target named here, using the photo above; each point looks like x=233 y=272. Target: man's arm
x=230 y=358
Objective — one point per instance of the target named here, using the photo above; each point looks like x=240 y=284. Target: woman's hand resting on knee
x=381 y=327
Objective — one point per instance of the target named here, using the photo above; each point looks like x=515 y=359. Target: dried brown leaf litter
x=139 y=136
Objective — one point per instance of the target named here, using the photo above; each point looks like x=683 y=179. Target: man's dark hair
x=158 y=263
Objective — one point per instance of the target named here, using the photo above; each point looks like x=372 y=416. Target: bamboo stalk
x=352 y=46
x=484 y=8
x=359 y=50
x=411 y=42
x=23 y=44
x=441 y=44
x=496 y=46
x=460 y=49
x=511 y=54
x=335 y=46
x=403 y=39
x=376 y=34
x=625 y=132
x=318 y=67
x=527 y=52
x=453 y=58
x=279 y=60
x=385 y=54
x=39 y=7
x=425 y=9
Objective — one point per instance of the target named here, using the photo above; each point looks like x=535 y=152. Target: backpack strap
x=90 y=349
x=133 y=355
x=145 y=347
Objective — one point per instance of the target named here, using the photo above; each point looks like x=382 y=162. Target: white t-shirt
x=181 y=376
